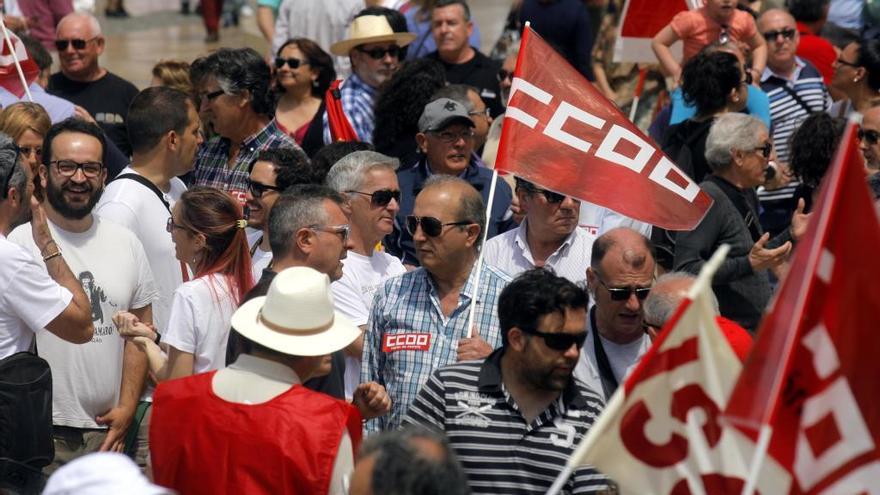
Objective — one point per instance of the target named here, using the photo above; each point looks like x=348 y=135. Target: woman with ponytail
x=207 y=227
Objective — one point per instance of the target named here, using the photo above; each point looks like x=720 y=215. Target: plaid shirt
x=211 y=167
x=357 y=103
x=422 y=338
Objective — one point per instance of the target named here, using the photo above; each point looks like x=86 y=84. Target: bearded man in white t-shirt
x=95 y=386
x=368 y=180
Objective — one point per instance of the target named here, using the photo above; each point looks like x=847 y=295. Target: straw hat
x=369 y=29
x=296 y=317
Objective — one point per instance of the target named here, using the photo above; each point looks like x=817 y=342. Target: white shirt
x=510 y=253
x=29 y=298
x=199 y=322
x=597 y=220
x=138 y=209
x=353 y=297
x=111 y=264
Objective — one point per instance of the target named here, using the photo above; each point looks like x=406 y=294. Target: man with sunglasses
x=515 y=417
x=869 y=138
x=619 y=279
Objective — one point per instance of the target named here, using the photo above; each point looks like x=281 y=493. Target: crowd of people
x=250 y=278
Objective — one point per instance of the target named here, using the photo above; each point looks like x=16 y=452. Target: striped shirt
x=408 y=336
x=357 y=103
x=500 y=452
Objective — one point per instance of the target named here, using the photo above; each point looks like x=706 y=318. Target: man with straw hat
x=374 y=50
x=252 y=427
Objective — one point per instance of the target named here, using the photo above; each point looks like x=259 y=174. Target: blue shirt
x=357 y=103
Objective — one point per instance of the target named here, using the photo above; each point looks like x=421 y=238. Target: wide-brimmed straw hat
x=296 y=316
x=369 y=29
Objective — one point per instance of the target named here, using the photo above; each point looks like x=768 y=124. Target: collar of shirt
x=265 y=368
x=521 y=241
x=490 y=381
x=798 y=66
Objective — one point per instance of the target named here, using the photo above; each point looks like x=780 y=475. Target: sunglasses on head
x=431 y=226
x=78 y=44
x=623 y=293
x=868 y=136
x=382 y=197
x=558 y=341
x=379 y=53
x=787 y=33
x=291 y=62
x=765 y=150
x=257 y=189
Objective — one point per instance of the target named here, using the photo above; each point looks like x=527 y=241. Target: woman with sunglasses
x=207 y=228
x=303 y=72
x=27 y=124
x=738 y=149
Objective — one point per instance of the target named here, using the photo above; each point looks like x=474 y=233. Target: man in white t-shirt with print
x=95 y=386
x=369 y=182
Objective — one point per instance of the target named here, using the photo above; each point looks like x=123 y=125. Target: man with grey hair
x=84 y=82
x=368 y=181
x=419 y=320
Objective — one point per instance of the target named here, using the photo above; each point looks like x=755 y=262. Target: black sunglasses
x=379 y=53
x=11 y=171
x=623 y=293
x=78 y=44
x=558 y=341
x=868 y=136
x=382 y=197
x=431 y=226
x=293 y=63
x=765 y=150
x=787 y=33
x=257 y=189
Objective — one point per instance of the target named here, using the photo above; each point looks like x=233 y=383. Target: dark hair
x=36 y=51
x=318 y=59
x=708 y=78
x=237 y=70
x=291 y=166
x=807 y=10
x=328 y=155
x=71 y=124
x=402 y=100
x=446 y=3
x=533 y=294
x=296 y=208
x=869 y=58
x=155 y=112
x=812 y=147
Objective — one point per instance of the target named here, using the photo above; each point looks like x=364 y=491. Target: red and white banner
x=812 y=375
x=9 y=78
x=561 y=133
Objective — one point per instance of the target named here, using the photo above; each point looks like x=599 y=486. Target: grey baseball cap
x=441 y=112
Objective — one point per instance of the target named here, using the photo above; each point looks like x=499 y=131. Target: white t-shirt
x=199 y=322
x=259 y=261
x=137 y=208
x=353 y=296
x=111 y=264
x=29 y=298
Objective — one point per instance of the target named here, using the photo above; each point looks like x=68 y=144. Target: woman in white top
x=207 y=228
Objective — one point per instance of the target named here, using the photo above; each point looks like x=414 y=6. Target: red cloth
x=200 y=443
x=739 y=339
x=819 y=51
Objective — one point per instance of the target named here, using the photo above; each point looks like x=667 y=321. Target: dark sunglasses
x=431 y=226
x=293 y=63
x=11 y=171
x=868 y=136
x=379 y=53
x=558 y=341
x=504 y=74
x=257 y=189
x=382 y=197
x=623 y=293
x=765 y=150
x=787 y=33
x=78 y=44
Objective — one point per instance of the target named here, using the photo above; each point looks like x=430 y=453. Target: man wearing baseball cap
x=253 y=427
x=446 y=144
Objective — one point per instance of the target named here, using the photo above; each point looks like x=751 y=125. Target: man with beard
x=523 y=394
x=95 y=386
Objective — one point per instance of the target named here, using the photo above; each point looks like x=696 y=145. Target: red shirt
x=819 y=51
x=201 y=443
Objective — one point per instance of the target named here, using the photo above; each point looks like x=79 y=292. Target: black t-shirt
x=107 y=99
x=480 y=72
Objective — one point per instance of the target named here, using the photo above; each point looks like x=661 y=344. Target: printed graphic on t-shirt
x=97 y=299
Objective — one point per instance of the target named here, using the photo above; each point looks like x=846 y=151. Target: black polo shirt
x=480 y=72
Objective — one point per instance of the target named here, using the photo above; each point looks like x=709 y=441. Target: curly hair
x=812 y=147
x=402 y=99
x=707 y=80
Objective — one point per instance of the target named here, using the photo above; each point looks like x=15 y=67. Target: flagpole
x=15 y=59
x=484 y=234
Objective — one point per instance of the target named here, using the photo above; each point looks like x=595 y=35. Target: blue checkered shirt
x=357 y=103
x=211 y=167
x=409 y=304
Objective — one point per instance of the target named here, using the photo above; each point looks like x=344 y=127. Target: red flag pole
x=15 y=59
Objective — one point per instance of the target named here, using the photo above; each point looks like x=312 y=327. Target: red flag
x=9 y=78
x=811 y=374
x=560 y=132
x=640 y=22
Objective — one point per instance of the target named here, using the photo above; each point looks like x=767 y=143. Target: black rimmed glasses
x=68 y=168
x=382 y=197
x=78 y=44
x=868 y=136
x=379 y=53
x=257 y=189
x=432 y=227
x=558 y=341
x=343 y=231
x=291 y=62
x=623 y=293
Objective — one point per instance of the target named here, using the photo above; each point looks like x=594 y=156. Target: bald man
x=619 y=279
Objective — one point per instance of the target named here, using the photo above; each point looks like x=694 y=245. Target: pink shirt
x=696 y=29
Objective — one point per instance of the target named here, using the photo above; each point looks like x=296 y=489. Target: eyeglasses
x=68 y=168
x=558 y=341
x=257 y=189
x=623 y=293
x=431 y=226
x=11 y=172
x=787 y=33
x=78 y=44
x=382 y=197
x=293 y=63
x=485 y=112
x=765 y=150
x=868 y=136
x=343 y=231
x=213 y=94
x=31 y=151
x=504 y=74
x=379 y=53
x=170 y=226
x=453 y=137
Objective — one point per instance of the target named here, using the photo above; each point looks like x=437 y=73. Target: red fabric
x=200 y=443
x=739 y=339
x=563 y=134
x=211 y=10
x=819 y=51
x=812 y=375
x=340 y=127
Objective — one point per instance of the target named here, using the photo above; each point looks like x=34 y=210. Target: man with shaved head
x=619 y=278
x=418 y=321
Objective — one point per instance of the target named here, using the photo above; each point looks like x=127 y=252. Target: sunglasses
x=293 y=63
x=382 y=197
x=431 y=226
x=504 y=74
x=623 y=293
x=379 y=53
x=558 y=341
x=343 y=231
x=11 y=172
x=257 y=189
x=787 y=33
x=868 y=136
x=78 y=44
x=765 y=150
x=68 y=168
